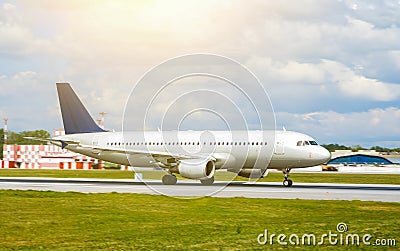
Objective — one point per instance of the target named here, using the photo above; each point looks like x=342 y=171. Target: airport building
x=362 y=157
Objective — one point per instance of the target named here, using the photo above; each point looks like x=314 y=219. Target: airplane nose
x=325 y=155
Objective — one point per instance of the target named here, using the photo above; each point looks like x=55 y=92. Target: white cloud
x=359 y=86
x=354 y=85
x=370 y=127
x=325 y=72
x=17 y=38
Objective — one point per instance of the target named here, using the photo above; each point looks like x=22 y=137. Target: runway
x=313 y=191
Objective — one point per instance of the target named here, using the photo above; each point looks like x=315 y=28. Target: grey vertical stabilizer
x=76 y=118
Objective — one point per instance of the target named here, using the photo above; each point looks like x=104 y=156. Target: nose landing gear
x=287 y=182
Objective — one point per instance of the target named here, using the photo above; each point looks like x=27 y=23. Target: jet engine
x=197 y=169
x=253 y=173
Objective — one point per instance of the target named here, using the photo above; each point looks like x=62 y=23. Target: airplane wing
x=63 y=143
x=163 y=157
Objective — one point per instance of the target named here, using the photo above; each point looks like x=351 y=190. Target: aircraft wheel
x=287 y=183
x=208 y=182
x=169 y=179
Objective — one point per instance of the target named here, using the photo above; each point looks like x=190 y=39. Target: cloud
x=18 y=38
x=370 y=127
x=314 y=57
x=381 y=14
x=359 y=86
x=354 y=85
x=25 y=100
x=326 y=74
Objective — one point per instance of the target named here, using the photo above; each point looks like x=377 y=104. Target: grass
x=31 y=220
x=330 y=177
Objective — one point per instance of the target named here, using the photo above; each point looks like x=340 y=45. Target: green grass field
x=326 y=177
x=31 y=220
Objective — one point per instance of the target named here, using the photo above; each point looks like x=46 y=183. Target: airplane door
x=95 y=141
x=279 y=146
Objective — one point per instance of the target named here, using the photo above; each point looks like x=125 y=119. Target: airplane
x=189 y=153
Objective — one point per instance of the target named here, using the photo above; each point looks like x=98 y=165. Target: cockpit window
x=306 y=143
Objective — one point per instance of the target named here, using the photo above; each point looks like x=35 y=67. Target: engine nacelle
x=197 y=169
x=253 y=173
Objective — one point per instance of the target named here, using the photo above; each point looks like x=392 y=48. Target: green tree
x=334 y=147
x=18 y=138
x=383 y=149
x=356 y=148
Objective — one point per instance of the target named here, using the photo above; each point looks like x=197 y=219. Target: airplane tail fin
x=75 y=117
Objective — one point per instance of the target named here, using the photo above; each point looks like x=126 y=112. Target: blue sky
x=331 y=68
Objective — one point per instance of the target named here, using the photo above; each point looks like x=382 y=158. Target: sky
x=330 y=67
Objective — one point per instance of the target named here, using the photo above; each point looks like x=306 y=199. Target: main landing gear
x=287 y=182
x=208 y=182
x=169 y=179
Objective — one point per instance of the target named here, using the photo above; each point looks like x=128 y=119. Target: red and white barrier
x=5 y=164
x=43 y=157
x=75 y=165
x=126 y=168
x=29 y=165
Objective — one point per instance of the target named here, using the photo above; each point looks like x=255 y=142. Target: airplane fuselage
x=231 y=149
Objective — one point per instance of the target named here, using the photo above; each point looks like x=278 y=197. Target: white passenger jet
x=192 y=154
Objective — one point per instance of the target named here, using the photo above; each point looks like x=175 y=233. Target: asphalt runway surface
x=185 y=189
